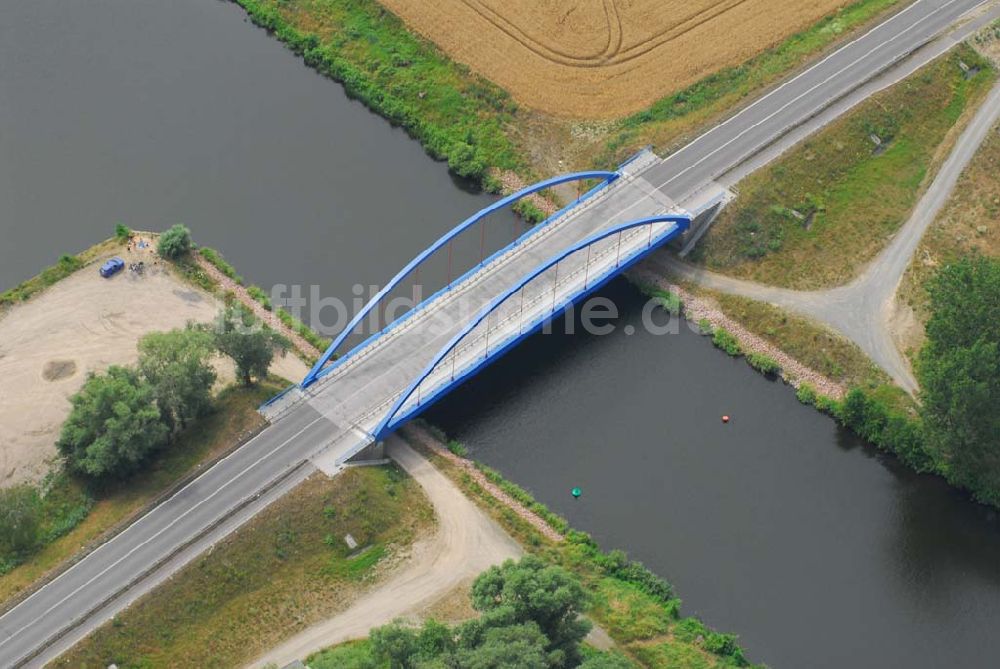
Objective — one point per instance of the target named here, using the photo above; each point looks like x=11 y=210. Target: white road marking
x=158 y=533
x=803 y=94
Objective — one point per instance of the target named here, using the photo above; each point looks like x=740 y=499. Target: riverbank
x=706 y=311
x=66 y=325
x=635 y=607
x=473 y=124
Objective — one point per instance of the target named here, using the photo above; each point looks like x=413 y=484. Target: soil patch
x=56 y=370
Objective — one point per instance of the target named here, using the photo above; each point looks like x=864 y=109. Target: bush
x=527 y=210
x=458 y=448
x=20 y=508
x=725 y=340
x=806 y=394
x=260 y=296
x=886 y=427
x=175 y=242
x=67 y=265
x=763 y=363
x=705 y=327
x=617 y=565
x=215 y=258
x=122 y=232
x=670 y=302
x=553 y=520
x=724 y=645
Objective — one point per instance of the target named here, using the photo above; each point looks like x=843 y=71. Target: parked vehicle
x=112 y=267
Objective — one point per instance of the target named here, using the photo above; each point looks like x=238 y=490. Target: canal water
x=777 y=526
x=153 y=113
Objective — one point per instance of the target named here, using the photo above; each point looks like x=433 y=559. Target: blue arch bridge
x=382 y=370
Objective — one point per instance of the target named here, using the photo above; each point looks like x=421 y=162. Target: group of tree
x=959 y=370
x=119 y=418
x=529 y=619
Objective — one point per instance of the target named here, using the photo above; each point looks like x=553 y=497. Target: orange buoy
x=725 y=419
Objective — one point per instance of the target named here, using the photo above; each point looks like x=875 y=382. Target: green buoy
x=576 y=492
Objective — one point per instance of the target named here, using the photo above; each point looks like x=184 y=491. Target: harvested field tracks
x=604 y=58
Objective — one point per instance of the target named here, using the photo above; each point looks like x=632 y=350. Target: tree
x=113 y=426
x=531 y=591
x=959 y=369
x=510 y=647
x=20 y=508
x=177 y=365
x=395 y=644
x=251 y=345
x=175 y=242
x=122 y=232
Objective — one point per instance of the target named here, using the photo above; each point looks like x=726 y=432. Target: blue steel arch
x=604 y=176
x=682 y=221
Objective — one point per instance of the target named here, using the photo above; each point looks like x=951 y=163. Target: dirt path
x=862 y=310
x=466 y=543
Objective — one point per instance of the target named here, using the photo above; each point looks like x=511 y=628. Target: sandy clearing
x=467 y=542
x=604 y=58
x=83 y=324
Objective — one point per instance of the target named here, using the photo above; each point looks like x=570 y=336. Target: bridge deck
x=356 y=394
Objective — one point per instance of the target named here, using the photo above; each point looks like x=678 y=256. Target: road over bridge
x=361 y=391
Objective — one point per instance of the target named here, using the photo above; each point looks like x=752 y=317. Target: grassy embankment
x=75 y=513
x=812 y=344
x=284 y=571
x=475 y=126
x=67 y=264
x=637 y=608
x=815 y=217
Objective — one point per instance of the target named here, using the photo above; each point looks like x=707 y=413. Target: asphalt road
x=803 y=96
x=132 y=555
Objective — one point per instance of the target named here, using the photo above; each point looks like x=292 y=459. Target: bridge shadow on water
x=779 y=526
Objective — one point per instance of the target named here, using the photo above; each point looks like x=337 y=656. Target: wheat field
x=603 y=58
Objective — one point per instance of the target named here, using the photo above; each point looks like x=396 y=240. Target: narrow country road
x=861 y=309
x=466 y=543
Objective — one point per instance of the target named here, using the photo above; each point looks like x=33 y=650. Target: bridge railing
x=335 y=352
x=534 y=300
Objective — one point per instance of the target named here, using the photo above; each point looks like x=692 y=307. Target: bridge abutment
x=371 y=455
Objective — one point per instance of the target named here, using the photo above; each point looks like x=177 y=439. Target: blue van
x=111 y=267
